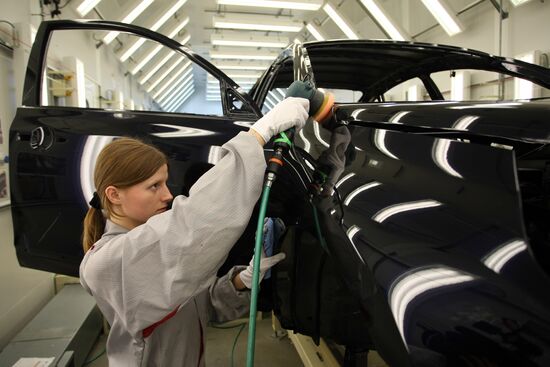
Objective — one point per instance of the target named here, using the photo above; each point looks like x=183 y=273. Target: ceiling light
x=286 y=4
x=239 y=55
x=340 y=22
x=129 y=18
x=180 y=101
x=156 y=50
x=181 y=90
x=384 y=20
x=224 y=65
x=257 y=22
x=169 y=13
x=238 y=39
x=86 y=6
x=154 y=69
x=171 y=79
x=315 y=33
x=444 y=16
x=170 y=91
x=164 y=75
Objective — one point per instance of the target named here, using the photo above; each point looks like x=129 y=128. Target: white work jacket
x=156 y=285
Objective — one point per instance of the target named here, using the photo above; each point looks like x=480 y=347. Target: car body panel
x=433 y=248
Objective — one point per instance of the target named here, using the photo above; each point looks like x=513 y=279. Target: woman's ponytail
x=94 y=225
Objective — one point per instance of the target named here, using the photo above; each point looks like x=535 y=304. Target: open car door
x=66 y=119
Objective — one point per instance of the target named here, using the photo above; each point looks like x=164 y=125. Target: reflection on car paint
x=317 y=132
x=497 y=258
x=418 y=281
x=180 y=131
x=307 y=144
x=345 y=178
x=351 y=232
x=360 y=189
x=385 y=213
x=92 y=146
x=380 y=142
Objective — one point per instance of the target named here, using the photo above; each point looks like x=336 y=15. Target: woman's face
x=140 y=202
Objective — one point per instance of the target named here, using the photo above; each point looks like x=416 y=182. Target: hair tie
x=96 y=201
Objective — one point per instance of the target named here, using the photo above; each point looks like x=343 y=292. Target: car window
x=482 y=85
x=129 y=73
x=273 y=97
x=410 y=90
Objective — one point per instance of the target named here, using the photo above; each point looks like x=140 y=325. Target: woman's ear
x=113 y=195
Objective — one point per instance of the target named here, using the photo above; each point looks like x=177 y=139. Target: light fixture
x=285 y=4
x=160 y=21
x=314 y=32
x=257 y=22
x=164 y=75
x=391 y=210
x=188 y=72
x=238 y=39
x=129 y=18
x=176 y=102
x=384 y=20
x=155 y=68
x=156 y=50
x=239 y=55
x=169 y=92
x=181 y=90
x=444 y=16
x=181 y=100
x=340 y=22
x=225 y=65
x=86 y=6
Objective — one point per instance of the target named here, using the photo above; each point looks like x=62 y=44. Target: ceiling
x=411 y=16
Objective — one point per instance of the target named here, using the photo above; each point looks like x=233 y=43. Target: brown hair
x=122 y=163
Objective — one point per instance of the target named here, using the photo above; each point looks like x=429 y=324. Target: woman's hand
x=244 y=278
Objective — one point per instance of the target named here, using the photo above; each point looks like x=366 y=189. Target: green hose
x=256 y=277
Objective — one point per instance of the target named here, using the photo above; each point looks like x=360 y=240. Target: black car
x=433 y=248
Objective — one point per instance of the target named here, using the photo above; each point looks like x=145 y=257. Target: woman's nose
x=167 y=195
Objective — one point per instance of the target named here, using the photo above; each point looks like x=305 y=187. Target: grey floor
x=270 y=351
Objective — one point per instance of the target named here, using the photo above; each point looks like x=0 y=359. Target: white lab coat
x=157 y=283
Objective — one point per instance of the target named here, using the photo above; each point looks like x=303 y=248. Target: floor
x=270 y=351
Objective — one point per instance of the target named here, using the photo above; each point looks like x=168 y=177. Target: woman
x=152 y=270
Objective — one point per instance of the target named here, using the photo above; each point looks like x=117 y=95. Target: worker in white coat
x=152 y=270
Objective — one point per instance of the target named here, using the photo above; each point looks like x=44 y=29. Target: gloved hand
x=291 y=112
x=265 y=264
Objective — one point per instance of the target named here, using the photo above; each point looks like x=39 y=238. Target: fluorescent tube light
x=257 y=22
x=177 y=94
x=167 y=14
x=314 y=32
x=237 y=39
x=188 y=72
x=181 y=90
x=384 y=20
x=156 y=50
x=170 y=91
x=164 y=75
x=286 y=4
x=444 y=16
x=181 y=100
x=129 y=18
x=224 y=65
x=86 y=6
x=340 y=22
x=239 y=55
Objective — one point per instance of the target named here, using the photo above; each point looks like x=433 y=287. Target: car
x=431 y=243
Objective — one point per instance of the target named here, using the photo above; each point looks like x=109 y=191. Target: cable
x=236 y=337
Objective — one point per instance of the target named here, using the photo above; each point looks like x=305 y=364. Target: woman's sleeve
x=175 y=255
x=225 y=302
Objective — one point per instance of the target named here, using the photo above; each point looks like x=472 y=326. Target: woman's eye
x=155 y=186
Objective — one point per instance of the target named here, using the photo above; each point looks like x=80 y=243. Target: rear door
x=82 y=92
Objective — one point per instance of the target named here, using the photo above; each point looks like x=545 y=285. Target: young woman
x=152 y=270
